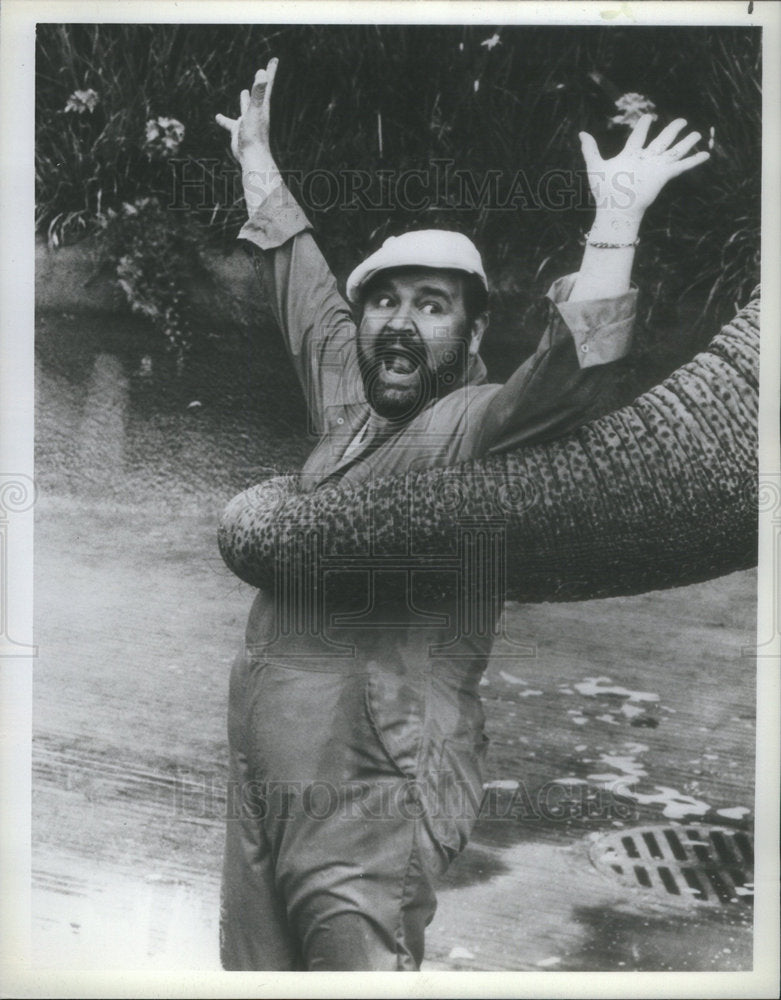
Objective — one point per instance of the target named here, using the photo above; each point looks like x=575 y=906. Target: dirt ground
x=627 y=713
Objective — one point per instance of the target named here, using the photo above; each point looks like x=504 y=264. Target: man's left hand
x=629 y=182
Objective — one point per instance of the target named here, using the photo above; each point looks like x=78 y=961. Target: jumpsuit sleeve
x=315 y=320
x=554 y=390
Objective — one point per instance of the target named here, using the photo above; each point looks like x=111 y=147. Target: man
x=353 y=736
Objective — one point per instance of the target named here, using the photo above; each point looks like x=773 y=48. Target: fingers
x=590 y=151
x=225 y=122
x=259 y=85
x=264 y=83
x=691 y=161
x=666 y=136
x=639 y=133
x=244 y=101
x=271 y=71
x=682 y=148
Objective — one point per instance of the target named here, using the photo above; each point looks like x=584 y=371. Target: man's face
x=414 y=339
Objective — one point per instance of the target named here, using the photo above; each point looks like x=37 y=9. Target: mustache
x=393 y=342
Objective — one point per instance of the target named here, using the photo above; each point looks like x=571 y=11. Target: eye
x=431 y=308
x=382 y=301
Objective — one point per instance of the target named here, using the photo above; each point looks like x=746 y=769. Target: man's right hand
x=250 y=142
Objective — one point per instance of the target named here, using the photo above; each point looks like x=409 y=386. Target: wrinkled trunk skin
x=661 y=493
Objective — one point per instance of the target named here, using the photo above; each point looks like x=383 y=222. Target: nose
x=400 y=321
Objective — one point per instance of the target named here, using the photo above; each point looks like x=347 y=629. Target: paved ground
x=632 y=712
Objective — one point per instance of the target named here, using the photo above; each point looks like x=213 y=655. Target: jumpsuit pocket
x=307 y=725
x=394 y=707
x=457 y=788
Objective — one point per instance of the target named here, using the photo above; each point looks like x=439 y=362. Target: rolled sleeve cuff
x=600 y=328
x=276 y=221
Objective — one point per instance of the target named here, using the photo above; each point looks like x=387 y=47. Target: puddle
x=550 y=909
x=117 y=919
x=593 y=687
x=616 y=939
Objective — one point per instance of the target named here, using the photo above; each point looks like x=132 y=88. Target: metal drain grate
x=707 y=864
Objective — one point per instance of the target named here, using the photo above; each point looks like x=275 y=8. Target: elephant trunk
x=661 y=493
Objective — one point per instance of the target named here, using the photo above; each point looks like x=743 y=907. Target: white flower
x=164 y=136
x=135 y=207
x=81 y=101
x=492 y=42
x=632 y=107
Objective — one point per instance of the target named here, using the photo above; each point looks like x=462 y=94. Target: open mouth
x=399 y=365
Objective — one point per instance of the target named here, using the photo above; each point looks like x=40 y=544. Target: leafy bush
x=155 y=257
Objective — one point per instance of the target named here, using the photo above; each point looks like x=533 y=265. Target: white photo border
x=17 y=36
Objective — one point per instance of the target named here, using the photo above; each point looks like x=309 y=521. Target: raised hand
x=250 y=131
x=631 y=181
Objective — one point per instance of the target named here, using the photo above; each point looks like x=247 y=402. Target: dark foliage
x=503 y=105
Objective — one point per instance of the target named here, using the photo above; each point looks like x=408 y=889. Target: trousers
x=331 y=855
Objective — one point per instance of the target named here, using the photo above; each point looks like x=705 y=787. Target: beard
x=400 y=379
